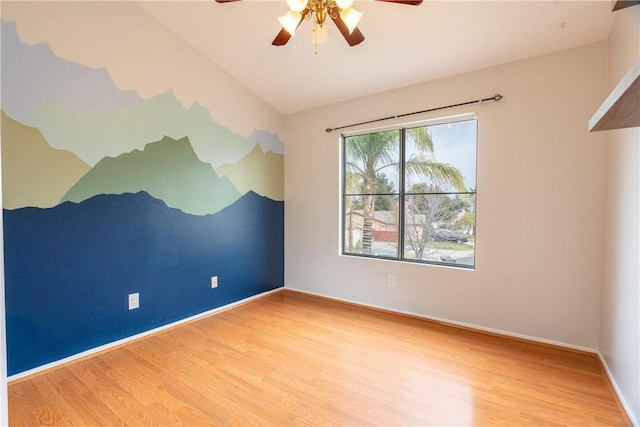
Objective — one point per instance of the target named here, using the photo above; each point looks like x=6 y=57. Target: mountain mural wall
x=34 y=174
x=127 y=128
x=257 y=171
x=168 y=170
x=72 y=104
x=106 y=193
x=79 y=88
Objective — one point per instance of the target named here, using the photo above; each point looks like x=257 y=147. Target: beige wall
x=540 y=203
x=620 y=326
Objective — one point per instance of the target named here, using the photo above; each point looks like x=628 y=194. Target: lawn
x=451 y=246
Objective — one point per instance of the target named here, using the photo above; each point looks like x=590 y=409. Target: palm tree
x=370 y=154
x=351 y=186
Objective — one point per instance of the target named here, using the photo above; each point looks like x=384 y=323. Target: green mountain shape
x=33 y=173
x=93 y=135
x=258 y=171
x=168 y=170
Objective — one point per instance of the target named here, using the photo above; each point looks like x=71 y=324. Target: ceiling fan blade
x=409 y=2
x=283 y=36
x=355 y=37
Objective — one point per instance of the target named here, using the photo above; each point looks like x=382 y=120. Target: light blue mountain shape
x=268 y=141
x=92 y=136
x=29 y=72
x=168 y=170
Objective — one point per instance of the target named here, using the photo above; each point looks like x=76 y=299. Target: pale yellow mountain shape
x=33 y=173
x=258 y=171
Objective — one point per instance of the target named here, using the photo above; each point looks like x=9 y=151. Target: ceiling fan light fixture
x=320 y=12
x=351 y=18
x=297 y=5
x=320 y=34
x=290 y=21
x=343 y=15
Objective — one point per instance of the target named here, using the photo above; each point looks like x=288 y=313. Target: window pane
x=437 y=173
x=371 y=234
x=371 y=163
x=440 y=228
x=441 y=158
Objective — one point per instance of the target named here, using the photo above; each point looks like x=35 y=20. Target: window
x=410 y=193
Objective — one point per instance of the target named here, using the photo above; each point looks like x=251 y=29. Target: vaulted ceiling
x=404 y=45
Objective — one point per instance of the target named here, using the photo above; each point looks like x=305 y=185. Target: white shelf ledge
x=621 y=109
x=621 y=4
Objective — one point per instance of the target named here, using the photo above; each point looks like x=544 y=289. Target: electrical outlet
x=214 y=282
x=134 y=301
x=391 y=281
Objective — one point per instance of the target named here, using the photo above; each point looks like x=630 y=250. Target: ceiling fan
x=340 y=11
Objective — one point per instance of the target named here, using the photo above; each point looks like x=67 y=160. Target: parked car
x=442 y=235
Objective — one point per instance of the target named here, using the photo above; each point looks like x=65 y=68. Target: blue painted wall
x=70 y=268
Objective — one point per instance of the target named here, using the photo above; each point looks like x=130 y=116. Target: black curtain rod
x=495 y=98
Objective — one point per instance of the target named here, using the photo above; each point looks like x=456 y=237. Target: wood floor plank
x=295 y=359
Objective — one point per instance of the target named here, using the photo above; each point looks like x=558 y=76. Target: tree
x=423 y=208
x=375 y=153
x=383 y=186
x=351 y=183
x=467 y=222
x=383 y=203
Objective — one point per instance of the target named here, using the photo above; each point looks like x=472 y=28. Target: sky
x=455 y=143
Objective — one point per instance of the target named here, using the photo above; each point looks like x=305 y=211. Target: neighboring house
x=385 y=228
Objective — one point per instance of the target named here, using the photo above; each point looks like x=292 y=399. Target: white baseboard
x=623 y=401
x=113 y=344
x=455 y=323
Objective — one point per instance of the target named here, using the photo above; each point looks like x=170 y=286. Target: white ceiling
x=404 y=45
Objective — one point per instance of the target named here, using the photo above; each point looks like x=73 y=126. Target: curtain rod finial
x=328 y=130
x=498 y=97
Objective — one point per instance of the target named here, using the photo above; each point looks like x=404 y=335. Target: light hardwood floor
x=294 y=359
